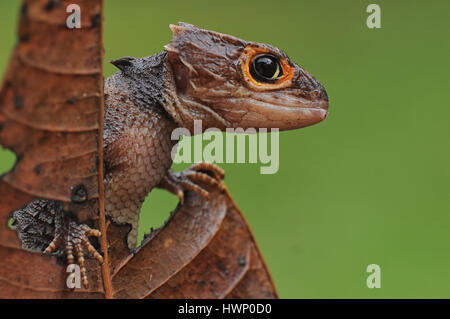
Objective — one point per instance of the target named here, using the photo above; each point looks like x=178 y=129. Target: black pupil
x=265 y=67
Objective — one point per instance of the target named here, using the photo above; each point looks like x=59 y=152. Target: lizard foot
x=193 y=179
x=43 y=226
x=73 y=237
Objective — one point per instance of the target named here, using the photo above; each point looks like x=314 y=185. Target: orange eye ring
x=287 y=71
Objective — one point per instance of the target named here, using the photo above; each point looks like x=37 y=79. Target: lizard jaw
x=285 y=118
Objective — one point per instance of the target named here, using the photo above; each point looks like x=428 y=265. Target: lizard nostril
x=320 y=93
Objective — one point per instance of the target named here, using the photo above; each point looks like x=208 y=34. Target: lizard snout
x=312 y=89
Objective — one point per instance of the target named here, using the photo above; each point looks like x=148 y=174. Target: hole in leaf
x=10 y=223
x=7 y=160
x=155 y=211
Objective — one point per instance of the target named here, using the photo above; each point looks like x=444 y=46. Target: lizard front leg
x=136 y=159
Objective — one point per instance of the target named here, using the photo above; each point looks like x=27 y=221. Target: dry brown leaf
x=51 y=117
x=205 y=250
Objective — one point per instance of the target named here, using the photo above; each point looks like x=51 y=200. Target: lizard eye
x=266 y=68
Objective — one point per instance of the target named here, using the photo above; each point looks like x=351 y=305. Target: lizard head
x=229 y=82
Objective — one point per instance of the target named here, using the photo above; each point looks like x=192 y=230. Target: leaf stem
x=107 y=284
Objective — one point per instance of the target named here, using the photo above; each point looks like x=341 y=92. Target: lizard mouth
x=321 y=107
x=308 y=113
x=284 y=115
x=295 y=116
x=317 y=113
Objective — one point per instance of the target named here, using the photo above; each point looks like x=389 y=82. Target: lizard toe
x=199 y=178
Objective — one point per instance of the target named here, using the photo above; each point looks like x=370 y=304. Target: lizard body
x=137 y=144
x=201 y=75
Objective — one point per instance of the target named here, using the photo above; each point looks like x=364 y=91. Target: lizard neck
x=142 y=80
x=150 y=83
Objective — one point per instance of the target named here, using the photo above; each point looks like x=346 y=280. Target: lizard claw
x=73 y=237
x=194 y=179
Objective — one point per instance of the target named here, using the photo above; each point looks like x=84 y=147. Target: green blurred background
x=368 y=185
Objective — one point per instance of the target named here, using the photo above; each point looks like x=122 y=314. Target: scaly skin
x=137 y=152
x=202 y=75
